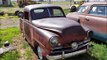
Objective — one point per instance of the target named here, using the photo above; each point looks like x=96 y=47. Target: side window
x=99 y=10
x=93 y=11
x=26 y=15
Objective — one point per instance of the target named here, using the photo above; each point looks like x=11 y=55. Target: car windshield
x=82 y=9
x=46 y=12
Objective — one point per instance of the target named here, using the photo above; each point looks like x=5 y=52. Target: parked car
x=51 y=34
x=94 y=16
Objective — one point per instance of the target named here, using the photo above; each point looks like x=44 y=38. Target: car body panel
x=96 y=23
x=41 y=31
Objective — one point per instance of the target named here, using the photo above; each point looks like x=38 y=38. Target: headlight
x=54 y=41
x=74 y=45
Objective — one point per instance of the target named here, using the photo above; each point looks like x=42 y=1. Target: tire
x=38 y=52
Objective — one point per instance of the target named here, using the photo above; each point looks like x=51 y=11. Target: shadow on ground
x=82 y=57
x=99 y=41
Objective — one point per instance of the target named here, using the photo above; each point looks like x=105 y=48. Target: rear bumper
x=67 y=55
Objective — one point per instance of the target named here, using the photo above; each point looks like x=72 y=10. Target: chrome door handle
x=87 y=19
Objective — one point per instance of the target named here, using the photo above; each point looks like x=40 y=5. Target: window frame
x=51 y=12
x=96 y=5
x=26 y=15
x=35 y=9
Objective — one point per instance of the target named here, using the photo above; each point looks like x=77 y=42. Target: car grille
x=68 y=49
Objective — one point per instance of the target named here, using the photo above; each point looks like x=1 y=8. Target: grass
x=12 y=55
x=28 y=53
x=99 y=51
x=7 y=35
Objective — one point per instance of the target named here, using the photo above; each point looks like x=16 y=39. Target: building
x=50 y=0
x=96 y=0
x=0 y=2
x=5 y=2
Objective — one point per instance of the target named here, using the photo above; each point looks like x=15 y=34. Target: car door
x=96 y=19
x=27 y=26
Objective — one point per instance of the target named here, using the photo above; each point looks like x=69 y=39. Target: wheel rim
x=39 y=53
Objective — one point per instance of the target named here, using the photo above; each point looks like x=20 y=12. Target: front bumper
x=66 y=55
x=65 y=52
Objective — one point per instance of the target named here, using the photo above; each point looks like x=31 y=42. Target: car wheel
x=39 y=54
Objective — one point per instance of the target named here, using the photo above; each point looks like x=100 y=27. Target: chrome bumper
x=66 y=55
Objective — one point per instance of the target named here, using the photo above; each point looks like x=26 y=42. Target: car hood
x=55 y=24
x=68 y=29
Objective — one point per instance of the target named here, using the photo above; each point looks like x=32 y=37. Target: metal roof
x=30 y=7
x=93 y=3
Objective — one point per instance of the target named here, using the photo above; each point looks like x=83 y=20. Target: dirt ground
x=18 y=43
x=8 y=22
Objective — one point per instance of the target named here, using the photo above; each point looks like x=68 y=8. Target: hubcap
x=40 y=53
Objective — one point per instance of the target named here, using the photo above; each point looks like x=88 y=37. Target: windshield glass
x=82 y=9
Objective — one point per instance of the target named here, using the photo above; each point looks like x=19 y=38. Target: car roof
x=93 y=3
x=30 y=7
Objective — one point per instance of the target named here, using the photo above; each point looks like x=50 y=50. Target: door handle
x=87 y=19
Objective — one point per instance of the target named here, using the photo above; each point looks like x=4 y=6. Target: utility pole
x=71 y=2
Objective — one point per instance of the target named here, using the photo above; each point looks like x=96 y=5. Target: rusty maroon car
x=93 y=15
x=51 y=34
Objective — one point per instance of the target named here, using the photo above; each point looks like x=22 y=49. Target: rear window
x=56 y=12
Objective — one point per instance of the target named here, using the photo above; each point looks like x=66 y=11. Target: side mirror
x=73 y=9
x=21 y=14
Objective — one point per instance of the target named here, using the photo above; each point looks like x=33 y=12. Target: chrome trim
x=66 y=55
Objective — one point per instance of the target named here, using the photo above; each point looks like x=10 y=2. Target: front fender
x=42 y=37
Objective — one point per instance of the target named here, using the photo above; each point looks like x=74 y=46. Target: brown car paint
x=39 y=32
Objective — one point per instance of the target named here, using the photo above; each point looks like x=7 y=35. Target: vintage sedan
x=51 y=34
x=93 y=15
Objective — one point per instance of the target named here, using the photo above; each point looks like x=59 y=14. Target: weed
x=99 y=51
x=8 y=34
x=12 y=55
x=28 y=53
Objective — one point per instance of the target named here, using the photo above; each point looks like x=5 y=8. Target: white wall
x=0 y=2
x=97 y=0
